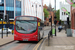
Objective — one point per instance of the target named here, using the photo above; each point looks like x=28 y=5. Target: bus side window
x=41 y=26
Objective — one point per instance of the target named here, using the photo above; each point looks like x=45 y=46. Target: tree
x=58 y=15
x=46 y=13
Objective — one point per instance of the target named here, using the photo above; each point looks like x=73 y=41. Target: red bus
x=26 y=29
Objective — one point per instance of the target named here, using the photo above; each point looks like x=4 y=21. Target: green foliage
x=58 y=15
x=46 y=13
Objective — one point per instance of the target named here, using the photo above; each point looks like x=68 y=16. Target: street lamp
x=36 y=7
x=55 y=21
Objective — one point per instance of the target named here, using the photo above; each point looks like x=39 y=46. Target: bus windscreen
x=26 y=25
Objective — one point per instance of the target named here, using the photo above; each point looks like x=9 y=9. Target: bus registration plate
x=25 y=39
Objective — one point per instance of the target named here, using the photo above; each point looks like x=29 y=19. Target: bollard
x=48 y=37
x=49 y=34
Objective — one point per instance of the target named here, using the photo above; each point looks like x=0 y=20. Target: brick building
x=51 y=13
x=73 y=20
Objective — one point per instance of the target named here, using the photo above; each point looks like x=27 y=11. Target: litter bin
x=53 y=31
x=69 y=33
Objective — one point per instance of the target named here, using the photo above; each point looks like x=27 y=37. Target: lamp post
x=36 y=10
x=2 y=17
x=55 y=17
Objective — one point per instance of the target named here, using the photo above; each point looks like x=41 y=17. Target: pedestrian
x=60 y=26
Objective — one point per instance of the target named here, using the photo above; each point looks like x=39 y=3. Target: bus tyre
x=20 y=41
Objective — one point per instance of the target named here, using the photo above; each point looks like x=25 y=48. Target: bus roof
x=26 y=16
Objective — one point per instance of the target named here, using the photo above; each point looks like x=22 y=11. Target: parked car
x=5 y=30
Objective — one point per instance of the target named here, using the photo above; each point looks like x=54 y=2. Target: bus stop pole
x=7 y=29
x=51 y=27
x=7 y=24
x=55 y=15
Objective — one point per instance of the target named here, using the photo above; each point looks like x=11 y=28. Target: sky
x=52 y=3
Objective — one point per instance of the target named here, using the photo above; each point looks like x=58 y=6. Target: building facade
x=33 y=8
x=51 y=13
x=70 y=9
x=73 y=20
x=12 y=8
x=63 y=15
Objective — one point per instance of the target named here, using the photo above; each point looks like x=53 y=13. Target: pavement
x=5 y=40
x=46 y=27
x=59 y=42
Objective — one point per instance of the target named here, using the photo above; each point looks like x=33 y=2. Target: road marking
x=37 y=45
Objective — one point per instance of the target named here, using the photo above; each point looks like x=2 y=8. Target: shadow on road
x=33 y=42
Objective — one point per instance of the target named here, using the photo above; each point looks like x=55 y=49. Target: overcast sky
x=52 y=3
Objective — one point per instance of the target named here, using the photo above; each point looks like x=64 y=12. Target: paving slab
x=60 y=42
x=6 y=40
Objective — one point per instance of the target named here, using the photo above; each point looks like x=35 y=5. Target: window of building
x=18 y=3
x=2 y=6
x=18 y=8
x=69 y=12
x=10 y=8
x=10 y=13
x=9 y=3
x=2 y=3
x=62 y=13
x=2 y=0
